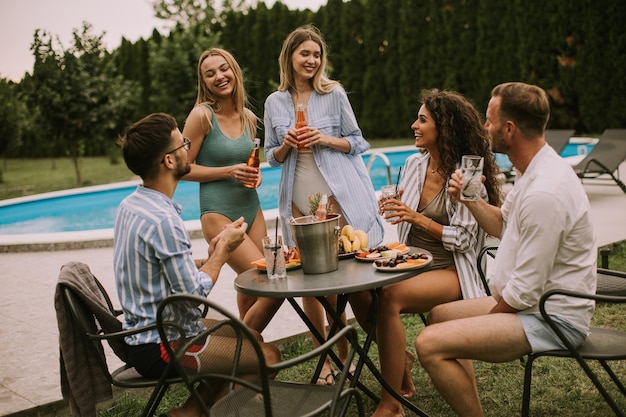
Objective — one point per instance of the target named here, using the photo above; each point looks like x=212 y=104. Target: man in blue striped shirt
x=153 y=259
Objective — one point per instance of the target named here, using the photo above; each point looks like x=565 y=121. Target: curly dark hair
x=461 y=132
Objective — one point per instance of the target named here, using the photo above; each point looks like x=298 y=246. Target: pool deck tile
x=29 y=370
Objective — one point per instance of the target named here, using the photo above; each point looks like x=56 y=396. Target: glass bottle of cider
x=300 y=122
x=322 y=209
x=253 y=160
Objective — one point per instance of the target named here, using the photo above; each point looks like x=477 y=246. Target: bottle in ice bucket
x=322 y=211
x=253 y=160
x=300 y=122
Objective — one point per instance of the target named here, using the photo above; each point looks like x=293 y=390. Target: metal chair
x=611 y=282
x=86 y=318
x=263 y=396
x=602 y=345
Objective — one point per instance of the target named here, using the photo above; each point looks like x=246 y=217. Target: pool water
x=88 y=209
x=83 y=209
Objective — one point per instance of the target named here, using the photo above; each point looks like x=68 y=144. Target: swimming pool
x=93 y=208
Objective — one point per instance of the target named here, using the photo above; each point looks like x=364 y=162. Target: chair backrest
x=610 y=151
x=558 y=138
x=486 y=255
x=86 y=322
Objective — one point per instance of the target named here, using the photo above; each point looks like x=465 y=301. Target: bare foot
x=382 y=412
x=407 y=390
x=327 y=376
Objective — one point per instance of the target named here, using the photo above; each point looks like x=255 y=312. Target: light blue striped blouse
x=345 y=173
x=462 y=236
x=152 y=260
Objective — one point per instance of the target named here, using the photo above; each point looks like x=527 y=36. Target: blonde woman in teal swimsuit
x=221 y=130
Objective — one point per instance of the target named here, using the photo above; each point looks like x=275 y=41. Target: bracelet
x=428 y=225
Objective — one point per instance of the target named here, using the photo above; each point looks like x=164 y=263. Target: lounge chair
x=605 y=158
x=558 y=138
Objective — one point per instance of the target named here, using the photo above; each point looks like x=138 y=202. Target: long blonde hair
x=240 y=98
x=320 y=82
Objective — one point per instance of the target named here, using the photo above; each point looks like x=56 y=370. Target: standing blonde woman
x=331 y=163
x=221 y=130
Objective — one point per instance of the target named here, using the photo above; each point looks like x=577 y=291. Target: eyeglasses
x=186 y=144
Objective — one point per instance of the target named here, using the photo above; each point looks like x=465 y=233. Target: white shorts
x=541 y=336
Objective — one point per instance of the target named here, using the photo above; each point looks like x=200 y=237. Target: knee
x=389 y=302
x=426 y=344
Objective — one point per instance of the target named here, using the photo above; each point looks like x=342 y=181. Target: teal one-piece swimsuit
x=228 y=196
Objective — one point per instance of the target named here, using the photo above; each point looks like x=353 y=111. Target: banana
x=348 y=231
x=362 y=236
x=347 y=244
x=356 y=244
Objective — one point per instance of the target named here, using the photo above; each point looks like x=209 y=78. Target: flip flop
x=323 y=380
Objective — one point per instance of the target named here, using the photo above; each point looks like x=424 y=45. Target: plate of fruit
x=415 y=258
x=389 y=250
x=351 y=242
x=292 y=261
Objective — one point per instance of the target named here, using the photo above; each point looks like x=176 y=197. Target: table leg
x=364 y=359
x=316 y=334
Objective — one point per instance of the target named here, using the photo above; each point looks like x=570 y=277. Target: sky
x=132 y=19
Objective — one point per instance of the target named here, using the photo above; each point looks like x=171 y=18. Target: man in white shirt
x=547 y=242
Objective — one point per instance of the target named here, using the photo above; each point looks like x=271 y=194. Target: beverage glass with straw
x=274 y=256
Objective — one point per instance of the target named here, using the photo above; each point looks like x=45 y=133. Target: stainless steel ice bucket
x=317 y=242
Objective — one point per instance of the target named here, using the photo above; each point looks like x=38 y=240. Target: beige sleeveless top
x=436 y=210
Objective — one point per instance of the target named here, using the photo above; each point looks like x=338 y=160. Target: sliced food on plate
x=389 y=250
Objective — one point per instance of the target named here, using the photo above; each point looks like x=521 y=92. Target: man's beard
x=498 y=144
x=182 y=168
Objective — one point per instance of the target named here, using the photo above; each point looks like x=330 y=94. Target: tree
x=79 y=103
x=11 y=112
x=172 y=71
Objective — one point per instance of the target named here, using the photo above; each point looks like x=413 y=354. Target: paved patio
x=29 y=370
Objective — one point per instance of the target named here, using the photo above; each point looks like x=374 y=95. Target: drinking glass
x=472 y=167
x=387 y=192
x=274 y=257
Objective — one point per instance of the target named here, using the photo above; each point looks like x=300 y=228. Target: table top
x=351 y=276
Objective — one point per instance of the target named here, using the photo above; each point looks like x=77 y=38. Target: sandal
x=324 y=380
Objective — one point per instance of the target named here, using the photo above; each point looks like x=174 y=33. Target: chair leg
x=528 y=375
x=614 y=377
x=155 y=399
x=600 y=387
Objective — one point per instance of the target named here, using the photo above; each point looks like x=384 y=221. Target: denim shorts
x=541 y=336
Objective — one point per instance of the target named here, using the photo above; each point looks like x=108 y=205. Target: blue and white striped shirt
x=345 y=173
x=152 y=260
